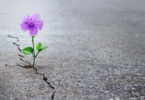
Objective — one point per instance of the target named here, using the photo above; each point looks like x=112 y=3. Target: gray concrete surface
x=96 y=50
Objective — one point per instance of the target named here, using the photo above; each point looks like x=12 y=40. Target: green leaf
x=39 y=45
x=43 y=48
x=28 y=50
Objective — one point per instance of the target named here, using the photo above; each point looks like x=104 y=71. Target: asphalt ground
x=90 y=43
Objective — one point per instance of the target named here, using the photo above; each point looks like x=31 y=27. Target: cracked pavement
x=96 y=50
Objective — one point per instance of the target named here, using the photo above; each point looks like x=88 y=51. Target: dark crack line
x=26 y=66
x=13 y=37
x=29 y=66
x=9 y=65
x=16 y=44
x=44 y=78
x=20 y=55
x=19 y=49
x=25 y=61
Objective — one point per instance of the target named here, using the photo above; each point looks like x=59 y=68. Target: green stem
x=34 y=51
x=36 y=54
x=34 y=59
x=33 y=63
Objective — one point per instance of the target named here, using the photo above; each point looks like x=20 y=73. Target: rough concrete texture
x=96 y=50
x=18 y=83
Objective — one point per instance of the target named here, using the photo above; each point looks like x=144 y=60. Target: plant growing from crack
x=32 y=24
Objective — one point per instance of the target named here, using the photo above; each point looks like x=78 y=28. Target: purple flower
x=32 y=24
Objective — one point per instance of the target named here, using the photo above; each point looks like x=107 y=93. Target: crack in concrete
x=20 y=55
x=29 y=66
x=16 y=44
x=25 y=61
x=19 y=49
x=13 y=37
x=45 y=79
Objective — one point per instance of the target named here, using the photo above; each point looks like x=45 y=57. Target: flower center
x=31 y=25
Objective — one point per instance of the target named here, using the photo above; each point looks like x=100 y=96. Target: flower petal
x=35 y=17
x=24 y=26
x=39 y=24
x=26 y=18
x=33 y=31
